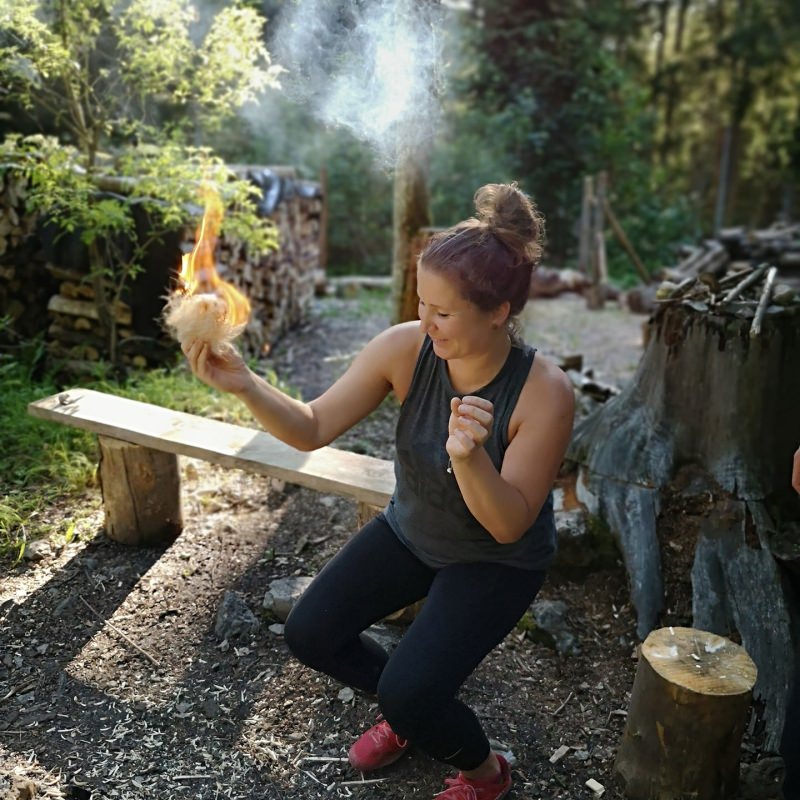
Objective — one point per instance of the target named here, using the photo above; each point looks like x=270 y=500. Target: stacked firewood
x=74 y=332
x=779 y=244
x=61 y=297
x=281 y=284
x=748 y=292
x=734 y=251
x=15 y=226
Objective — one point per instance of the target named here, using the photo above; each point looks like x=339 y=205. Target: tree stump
x=690 y=468
x=141 y=493
x=686 y=717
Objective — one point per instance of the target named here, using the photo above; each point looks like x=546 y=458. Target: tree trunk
x=686 y=717
x=696 y=452
x=410 y=215
x=141 y=493
x=673 y=88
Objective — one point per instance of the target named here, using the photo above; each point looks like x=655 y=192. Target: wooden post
x=408 y=304
x=141 y=493
x=365 y=512
x=625 y=242
x=595 y=294
x=584 y=243
x=686 y=717
x=323 y=220
x=411 y=214
x=599 y=231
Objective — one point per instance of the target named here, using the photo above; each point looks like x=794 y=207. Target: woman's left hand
x=470 y=424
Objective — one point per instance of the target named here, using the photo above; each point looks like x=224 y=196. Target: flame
x=198 y=274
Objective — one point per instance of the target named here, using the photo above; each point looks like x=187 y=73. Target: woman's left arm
x=508 y=502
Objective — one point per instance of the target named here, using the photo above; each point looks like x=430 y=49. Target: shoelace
x=382 y=733
x=458 y=789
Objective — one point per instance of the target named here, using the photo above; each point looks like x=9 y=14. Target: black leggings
x=469 y=610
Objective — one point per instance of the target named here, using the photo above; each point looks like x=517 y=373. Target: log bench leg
x=141 y=493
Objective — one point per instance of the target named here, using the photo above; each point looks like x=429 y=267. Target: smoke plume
x=372 y=67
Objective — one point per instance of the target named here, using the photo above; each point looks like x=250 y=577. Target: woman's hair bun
x=513 y=218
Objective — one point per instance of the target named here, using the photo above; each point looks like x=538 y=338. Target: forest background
x=692 y=107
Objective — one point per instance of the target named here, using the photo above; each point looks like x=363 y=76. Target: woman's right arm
x=307 y=426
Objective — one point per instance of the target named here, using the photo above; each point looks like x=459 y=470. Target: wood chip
x=596 y=787
x=559 y=754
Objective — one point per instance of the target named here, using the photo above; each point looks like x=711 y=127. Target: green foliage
x=38 y=463
x=59 y=56
x=109 y=66
x=42 y=463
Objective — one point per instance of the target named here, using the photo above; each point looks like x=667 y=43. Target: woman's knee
x=305 y=638
x=406 y=701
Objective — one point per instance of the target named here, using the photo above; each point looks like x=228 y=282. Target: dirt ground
x=114 y=685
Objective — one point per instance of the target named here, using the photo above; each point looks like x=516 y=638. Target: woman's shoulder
x=395 y=351
x=547 y=385
x=404 y=338
x=547 y=400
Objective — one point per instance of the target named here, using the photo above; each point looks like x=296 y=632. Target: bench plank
x=367 y=479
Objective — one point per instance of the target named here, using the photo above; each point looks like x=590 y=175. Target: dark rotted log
x=711 y=416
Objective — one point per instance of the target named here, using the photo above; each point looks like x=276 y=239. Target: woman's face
x=456 y=326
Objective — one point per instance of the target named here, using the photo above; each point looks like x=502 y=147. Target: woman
x=482 y=431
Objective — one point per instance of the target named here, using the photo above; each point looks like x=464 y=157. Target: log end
x=700 y=662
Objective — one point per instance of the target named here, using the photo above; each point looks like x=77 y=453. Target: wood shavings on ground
x=89 y=718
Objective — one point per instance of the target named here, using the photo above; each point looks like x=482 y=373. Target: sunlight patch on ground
x=18 y=587
x=609 y=340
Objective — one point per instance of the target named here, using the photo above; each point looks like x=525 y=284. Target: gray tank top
x=427 y=512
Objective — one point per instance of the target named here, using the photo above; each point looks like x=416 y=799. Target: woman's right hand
x=227 y=372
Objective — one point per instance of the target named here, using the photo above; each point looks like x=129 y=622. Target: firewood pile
x=281 y=284
x=51 y=287
x=745 y=292
x=736 y=252
x=734 y=247
x=15 y=227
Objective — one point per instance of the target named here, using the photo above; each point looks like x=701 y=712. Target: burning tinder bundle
x=204 y=306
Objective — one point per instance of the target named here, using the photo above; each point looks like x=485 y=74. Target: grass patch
x=41 y=462
x=359 y=302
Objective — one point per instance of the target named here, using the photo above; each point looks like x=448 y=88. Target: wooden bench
x=139 y=448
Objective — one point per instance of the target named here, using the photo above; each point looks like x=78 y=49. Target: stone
x=37 y=550
x=283 y=593
x=551 y=628
x=234 y=618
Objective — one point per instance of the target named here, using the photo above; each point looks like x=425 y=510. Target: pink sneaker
x=461 y=788
x=378 y=747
